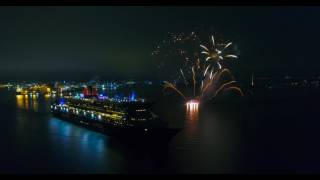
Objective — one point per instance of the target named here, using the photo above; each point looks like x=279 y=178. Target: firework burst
x=198 y=79
x=217 y=53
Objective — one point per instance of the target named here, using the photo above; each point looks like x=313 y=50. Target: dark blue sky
x=48 y=43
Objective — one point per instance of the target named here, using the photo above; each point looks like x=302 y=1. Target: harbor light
x=61 y=102
x=18 y=89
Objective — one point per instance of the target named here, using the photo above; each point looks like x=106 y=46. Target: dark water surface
x=269 y=133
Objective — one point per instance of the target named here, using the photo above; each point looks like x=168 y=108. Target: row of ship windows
x=76 y=111
x=140 y=110
x=134 y=119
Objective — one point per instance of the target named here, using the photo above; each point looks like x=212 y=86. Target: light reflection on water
x=86 y=150
x=67 y=133
x=20 y=101
x=31 y=103
x=192 y=120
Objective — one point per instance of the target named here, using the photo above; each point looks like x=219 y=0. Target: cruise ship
x=125 y=119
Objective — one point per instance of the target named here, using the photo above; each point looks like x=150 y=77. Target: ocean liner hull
x=126 y=133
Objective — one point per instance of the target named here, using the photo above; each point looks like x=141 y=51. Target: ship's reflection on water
x=69 y=136
x=83 y=150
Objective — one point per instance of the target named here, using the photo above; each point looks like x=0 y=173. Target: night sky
x=79 y=43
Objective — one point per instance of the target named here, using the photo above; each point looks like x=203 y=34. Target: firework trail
x=184 y=78
x=172 y=86
x=223 y=86
x=234 y=88
x=194 y=81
